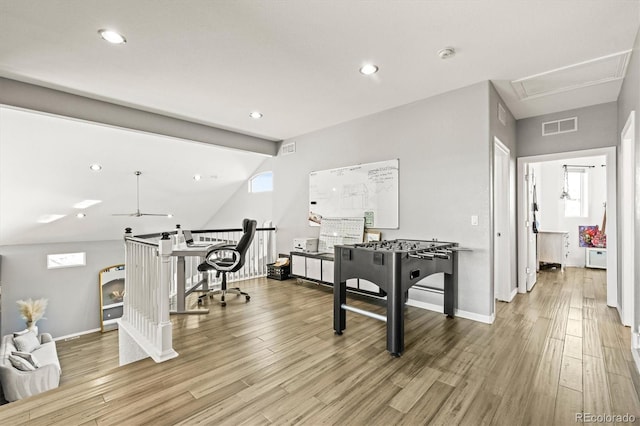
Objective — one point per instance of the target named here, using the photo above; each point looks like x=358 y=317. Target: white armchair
x=17 y=384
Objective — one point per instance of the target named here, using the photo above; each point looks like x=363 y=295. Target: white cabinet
x=298 y=265
x=596 y=258
x=553 y=247
x=318 y=267
x=314 y=268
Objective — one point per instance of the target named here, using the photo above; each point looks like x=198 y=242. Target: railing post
x=164 y=324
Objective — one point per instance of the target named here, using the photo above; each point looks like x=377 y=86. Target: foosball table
x=395 y=266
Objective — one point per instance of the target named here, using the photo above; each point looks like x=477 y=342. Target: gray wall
x=597 y=128
x=507 y=135
x=629 y=100
x=443 y=146
x=73 y=295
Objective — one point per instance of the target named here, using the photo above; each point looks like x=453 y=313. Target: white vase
x=32 y=327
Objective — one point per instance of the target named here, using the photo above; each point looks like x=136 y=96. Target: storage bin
x=278 y=272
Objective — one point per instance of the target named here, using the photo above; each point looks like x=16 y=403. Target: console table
x=318 y=267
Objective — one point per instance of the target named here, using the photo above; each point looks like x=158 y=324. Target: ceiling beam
x=19 y=94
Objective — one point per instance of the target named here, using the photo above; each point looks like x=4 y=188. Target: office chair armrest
x=235 y=256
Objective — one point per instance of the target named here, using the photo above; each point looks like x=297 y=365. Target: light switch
x=474 y=220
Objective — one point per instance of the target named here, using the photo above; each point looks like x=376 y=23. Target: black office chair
x=228 y=258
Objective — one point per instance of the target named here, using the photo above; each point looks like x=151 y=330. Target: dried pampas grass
x=32 y=310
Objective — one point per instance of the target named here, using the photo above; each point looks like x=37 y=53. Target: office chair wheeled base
x=223 y=293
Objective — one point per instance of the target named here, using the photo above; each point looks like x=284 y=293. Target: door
x=501 y=237
x=532 y=216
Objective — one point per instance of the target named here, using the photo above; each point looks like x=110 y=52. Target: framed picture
x=371 y=236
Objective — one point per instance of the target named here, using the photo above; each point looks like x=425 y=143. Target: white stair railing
x=145 y=328
x=151 y=286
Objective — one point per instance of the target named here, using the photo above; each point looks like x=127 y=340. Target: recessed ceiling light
x=95 y=167
x=255 y=114
x=447 y=52
x=169 y=215
x=197 y=177
x=112 y=36
x=86 y=204
x=48 y=218
x=368 y=69
x=81 y=215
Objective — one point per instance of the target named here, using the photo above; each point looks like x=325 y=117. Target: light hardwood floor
x=550 y=354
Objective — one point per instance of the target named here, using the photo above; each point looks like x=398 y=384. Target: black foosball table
x=395 y=266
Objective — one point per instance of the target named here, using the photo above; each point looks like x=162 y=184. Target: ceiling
x=44 y=169
x=296 y=61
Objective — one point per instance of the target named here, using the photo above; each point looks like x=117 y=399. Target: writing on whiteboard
x=368 y=191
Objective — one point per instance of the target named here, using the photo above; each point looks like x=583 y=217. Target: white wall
x=629 y=100
x=241 y=204
x=550 y=179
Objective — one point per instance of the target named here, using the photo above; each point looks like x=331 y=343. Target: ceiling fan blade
x=154 y=214
x=123 y=214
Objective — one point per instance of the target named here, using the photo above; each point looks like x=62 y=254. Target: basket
x=278 y=272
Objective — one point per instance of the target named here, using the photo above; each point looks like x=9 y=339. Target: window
x=66 y=260
x=262 y=182
x=576 y=202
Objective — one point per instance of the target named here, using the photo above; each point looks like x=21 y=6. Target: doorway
x=525 y=229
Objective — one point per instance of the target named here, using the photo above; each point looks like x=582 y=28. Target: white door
x=627 y=186
x=501 y=237
x=532 y=259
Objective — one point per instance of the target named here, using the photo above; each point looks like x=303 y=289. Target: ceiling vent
x=588 y=73
x=565 y=125
x=288 y=148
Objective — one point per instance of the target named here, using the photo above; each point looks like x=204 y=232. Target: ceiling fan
x=137 y=213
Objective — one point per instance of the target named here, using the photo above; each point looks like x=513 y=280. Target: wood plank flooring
x=550 y=354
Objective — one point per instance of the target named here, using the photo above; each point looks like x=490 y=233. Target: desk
x=181 y=253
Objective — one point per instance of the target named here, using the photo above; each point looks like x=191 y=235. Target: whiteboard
x=365 y=190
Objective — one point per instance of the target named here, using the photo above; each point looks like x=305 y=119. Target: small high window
x=262 y=182
x=66 y=260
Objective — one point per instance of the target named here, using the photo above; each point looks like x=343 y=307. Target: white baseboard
x=75 y=335
x=424 y=305
x=513 y=294
x=487 y=319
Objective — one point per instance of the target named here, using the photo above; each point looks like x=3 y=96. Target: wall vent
x=565 y=125
x=288 y=148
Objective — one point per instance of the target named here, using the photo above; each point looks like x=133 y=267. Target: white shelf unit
x=596 y=257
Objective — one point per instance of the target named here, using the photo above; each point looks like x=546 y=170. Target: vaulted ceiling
x=296 y=61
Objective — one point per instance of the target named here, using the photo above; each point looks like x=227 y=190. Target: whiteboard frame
x=314 y=220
